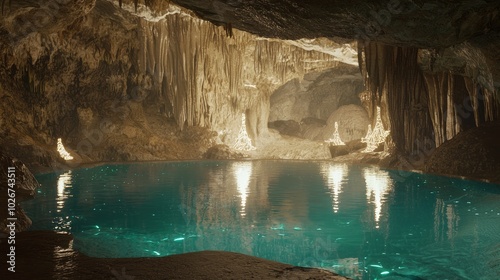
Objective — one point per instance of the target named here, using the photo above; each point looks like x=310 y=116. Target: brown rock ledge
x=474 y=154
x=49 y=255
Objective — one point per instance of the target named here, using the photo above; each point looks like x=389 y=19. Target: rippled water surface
x=363 y=222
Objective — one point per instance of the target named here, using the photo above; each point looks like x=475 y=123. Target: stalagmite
x=335 y=140
x=243 y=142
x=376 y=136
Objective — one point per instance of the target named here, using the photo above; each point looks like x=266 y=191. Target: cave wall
x=317 y=94
x=433 y=66
x=121 y=85
x=426 y=97
x=422 y=24
x=209 y=79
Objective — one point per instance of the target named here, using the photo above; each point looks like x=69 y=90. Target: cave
x=285 y=139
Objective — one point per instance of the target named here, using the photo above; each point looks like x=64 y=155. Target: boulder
x=474 y=153
x=288 y=127
x=317 y=95
x=353 y=123
x=222 y=152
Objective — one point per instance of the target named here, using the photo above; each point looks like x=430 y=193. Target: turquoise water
x=360 y=221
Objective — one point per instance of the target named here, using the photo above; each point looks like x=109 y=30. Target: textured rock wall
x=209 y=79
x=317 y=95
x=120 y=85
x=423 y=106
x=424 y=23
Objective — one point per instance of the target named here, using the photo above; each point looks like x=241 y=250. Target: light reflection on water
x=242 y=173
x=334 y=174
x=63 y=182
x=378 y=186
x=358 y=221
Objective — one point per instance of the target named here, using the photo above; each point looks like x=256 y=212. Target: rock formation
x=145 y=85
x=155 y=81
x=23 y=188
x=433 y=75
x=317 y=95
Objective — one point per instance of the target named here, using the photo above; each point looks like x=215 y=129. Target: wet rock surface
x=24 y=188
x=355 y=146
x=49 y=255
x=222 y=152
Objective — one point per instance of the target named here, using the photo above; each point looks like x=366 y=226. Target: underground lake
x=360 y=221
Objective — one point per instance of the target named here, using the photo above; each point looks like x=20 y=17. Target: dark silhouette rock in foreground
x=23 y=187
x=49 y=255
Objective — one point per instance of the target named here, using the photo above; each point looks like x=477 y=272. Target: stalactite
x=452 y=126
x=449 y=110
x=202 y=73
x=420 y=104
x=393 y=77
x=3 y=5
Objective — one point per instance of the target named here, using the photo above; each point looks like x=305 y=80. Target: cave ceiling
x=419 y=23
x=425 y=24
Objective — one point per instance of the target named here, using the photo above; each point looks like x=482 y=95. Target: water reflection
x=242 y=172
x=279 y=211
x=445 y=220
x=334 y=174
x=378 y=185
x=63 y=182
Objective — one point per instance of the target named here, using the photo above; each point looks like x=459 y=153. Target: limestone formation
x=145 y=85
x=155 y=81
x=352 y=122
x=317 y=95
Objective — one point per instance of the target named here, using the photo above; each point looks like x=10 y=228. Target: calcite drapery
x=206 y=78
x=423 y=108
